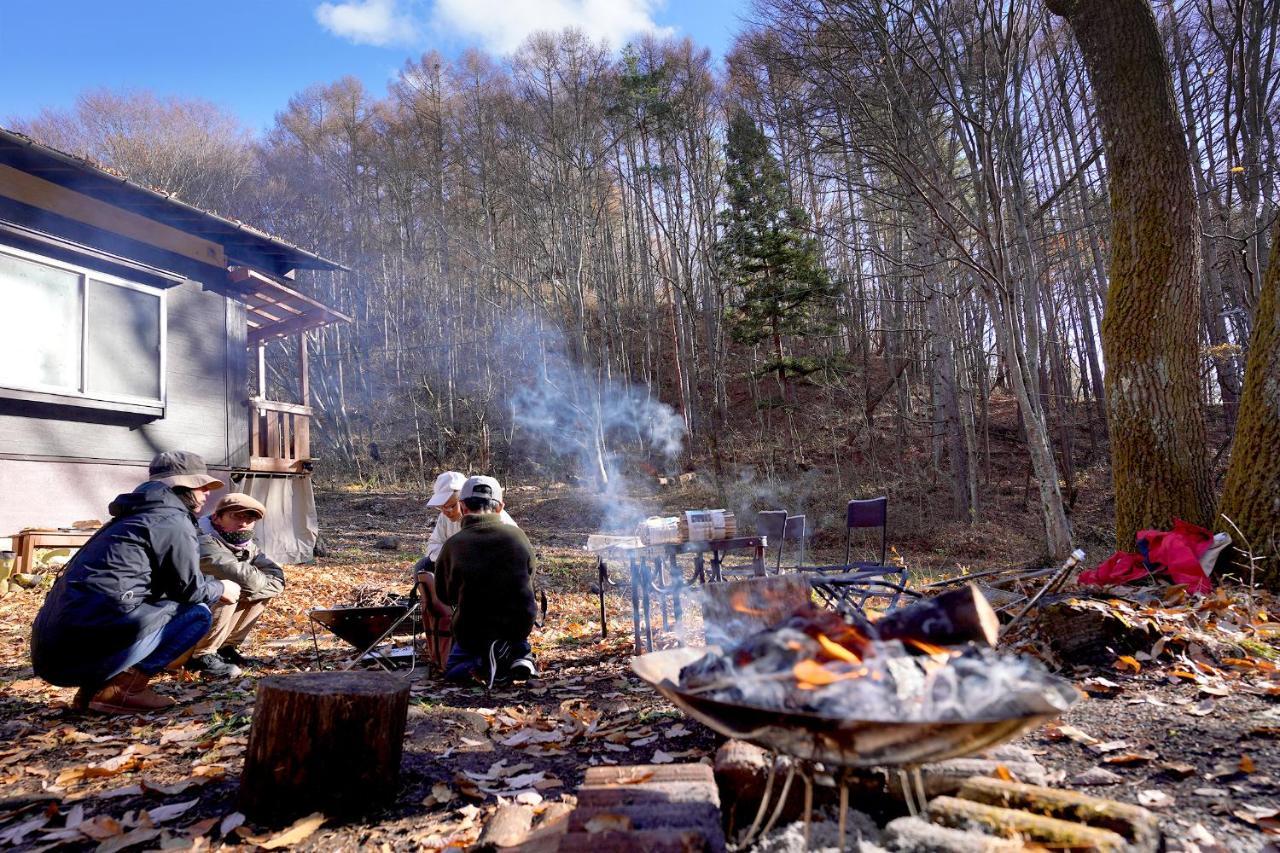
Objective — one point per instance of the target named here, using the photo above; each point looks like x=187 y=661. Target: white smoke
x=604 y=424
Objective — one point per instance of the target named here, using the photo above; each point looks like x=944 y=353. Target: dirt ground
x=1187 y=731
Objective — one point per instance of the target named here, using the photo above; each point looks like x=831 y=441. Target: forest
x=870 y=252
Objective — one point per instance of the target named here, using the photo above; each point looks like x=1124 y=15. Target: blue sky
x=250 y=56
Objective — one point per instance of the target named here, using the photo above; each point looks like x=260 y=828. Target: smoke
x=605 y=426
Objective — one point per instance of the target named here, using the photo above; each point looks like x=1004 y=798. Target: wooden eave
x=73 y=183
x=276 y=310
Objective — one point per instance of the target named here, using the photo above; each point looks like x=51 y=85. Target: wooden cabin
x=130 y=323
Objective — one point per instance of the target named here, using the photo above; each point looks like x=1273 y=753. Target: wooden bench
x=26 y=543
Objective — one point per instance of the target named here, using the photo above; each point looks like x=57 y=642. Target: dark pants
x=160 y=648
x=462 y=662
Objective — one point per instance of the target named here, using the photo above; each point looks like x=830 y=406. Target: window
x=79 y=334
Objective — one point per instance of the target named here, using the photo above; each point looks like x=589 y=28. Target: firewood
x=1135 y=824
x=914 y=835
x=1009 y=823
x=1086 y=631
x=509 y=826
x=951 y=619
x=323 y=741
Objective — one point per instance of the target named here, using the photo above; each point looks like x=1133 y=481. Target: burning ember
x=893 y=670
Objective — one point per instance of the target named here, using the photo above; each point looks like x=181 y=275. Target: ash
x=861 y=836
x=781 y=669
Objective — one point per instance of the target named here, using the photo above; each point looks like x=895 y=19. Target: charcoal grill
x=366 y=628
x=836 y=741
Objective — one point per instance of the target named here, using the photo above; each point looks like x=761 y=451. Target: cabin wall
x=63 y=463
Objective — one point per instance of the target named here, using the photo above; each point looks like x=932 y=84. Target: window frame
x=81 y=396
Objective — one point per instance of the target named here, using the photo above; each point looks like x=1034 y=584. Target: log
x=323 y=741
x=951 y=619
x=1135 y=824
x=1086 y=631
x=1009 y=823
x=509 y=826
x=915 y=835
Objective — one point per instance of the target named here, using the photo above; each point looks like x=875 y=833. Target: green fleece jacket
x=485 y=572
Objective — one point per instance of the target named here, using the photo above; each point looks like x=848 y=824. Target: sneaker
x=232 y=655
x=523 y=668
x=211 y=664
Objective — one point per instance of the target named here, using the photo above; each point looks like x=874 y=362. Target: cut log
x=1082 y=630
x=1135 y=824
x=951 y=619
x=1008 y=823
x=914 y=835
x=509 y=826
x=323 y=741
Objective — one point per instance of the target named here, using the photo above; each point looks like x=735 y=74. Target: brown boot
x=128 y=693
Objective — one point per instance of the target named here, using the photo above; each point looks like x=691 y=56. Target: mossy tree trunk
x=1251 y=497
x=1150 y=328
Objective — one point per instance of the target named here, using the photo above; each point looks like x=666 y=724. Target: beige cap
x=238 y=502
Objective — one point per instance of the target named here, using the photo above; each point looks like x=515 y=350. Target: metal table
x=655 y=571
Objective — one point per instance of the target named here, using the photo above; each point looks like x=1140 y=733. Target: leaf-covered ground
x=1187 y=727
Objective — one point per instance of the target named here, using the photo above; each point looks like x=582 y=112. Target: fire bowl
x=835 y=740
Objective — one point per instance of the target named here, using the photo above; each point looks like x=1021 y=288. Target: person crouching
x=132 y=600
x=228 y=552
x=485 y=572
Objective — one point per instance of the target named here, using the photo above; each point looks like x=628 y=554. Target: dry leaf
x=1246 y=764
x=200 y=828
x=1109 y=746
x=1128 y=663
x=1070 y=732
x=1097 y=776
x=100 y=827
x=660 y=757
x=230 y=823
x=137 y=836
x=1154 y=799
x=300 y=829
x=529 y=798
x=1126 y=759
x=1178 y=770
x=162 y=813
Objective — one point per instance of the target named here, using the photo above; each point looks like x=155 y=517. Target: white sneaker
x=523 y=668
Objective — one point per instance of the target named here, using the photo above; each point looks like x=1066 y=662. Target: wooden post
x=323 y=741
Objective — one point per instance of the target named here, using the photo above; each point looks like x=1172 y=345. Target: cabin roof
x=97 y=181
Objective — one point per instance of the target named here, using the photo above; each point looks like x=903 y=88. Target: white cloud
x=376 y=22
x=502 y=25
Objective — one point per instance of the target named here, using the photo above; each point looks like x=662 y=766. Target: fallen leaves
x=1154 y=799
x=300 y=830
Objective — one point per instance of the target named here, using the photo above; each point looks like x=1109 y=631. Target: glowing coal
x=815 y=662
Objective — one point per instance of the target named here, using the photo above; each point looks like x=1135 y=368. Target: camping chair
x=437 y=623
x=851 y=583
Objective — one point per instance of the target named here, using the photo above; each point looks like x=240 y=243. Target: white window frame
x=81 y=393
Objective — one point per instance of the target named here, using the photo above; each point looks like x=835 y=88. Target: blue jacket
x=122 y=586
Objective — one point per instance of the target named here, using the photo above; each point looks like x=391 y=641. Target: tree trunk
x=323 y=741
x=1251 y=497
x=1150 y=331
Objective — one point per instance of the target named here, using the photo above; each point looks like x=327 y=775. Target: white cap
x=446 y=484
x=481 y=487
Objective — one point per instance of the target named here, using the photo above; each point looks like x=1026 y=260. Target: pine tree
x=766 y=253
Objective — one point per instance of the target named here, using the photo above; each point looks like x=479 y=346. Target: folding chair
x=852 y=583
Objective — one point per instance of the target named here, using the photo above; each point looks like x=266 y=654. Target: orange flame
x=837 y=651
x=810 y=674
x=738 y=601
x=936 y=652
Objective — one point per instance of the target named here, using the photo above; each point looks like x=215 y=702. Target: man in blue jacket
x=133 y=599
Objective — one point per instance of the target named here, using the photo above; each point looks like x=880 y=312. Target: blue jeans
x=462 y=663
x=160 y=648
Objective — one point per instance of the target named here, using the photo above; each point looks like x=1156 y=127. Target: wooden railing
x=279 y=436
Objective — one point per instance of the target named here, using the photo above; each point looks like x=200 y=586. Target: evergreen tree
x=766 y=253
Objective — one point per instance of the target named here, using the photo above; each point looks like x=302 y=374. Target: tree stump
x=323 y=741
